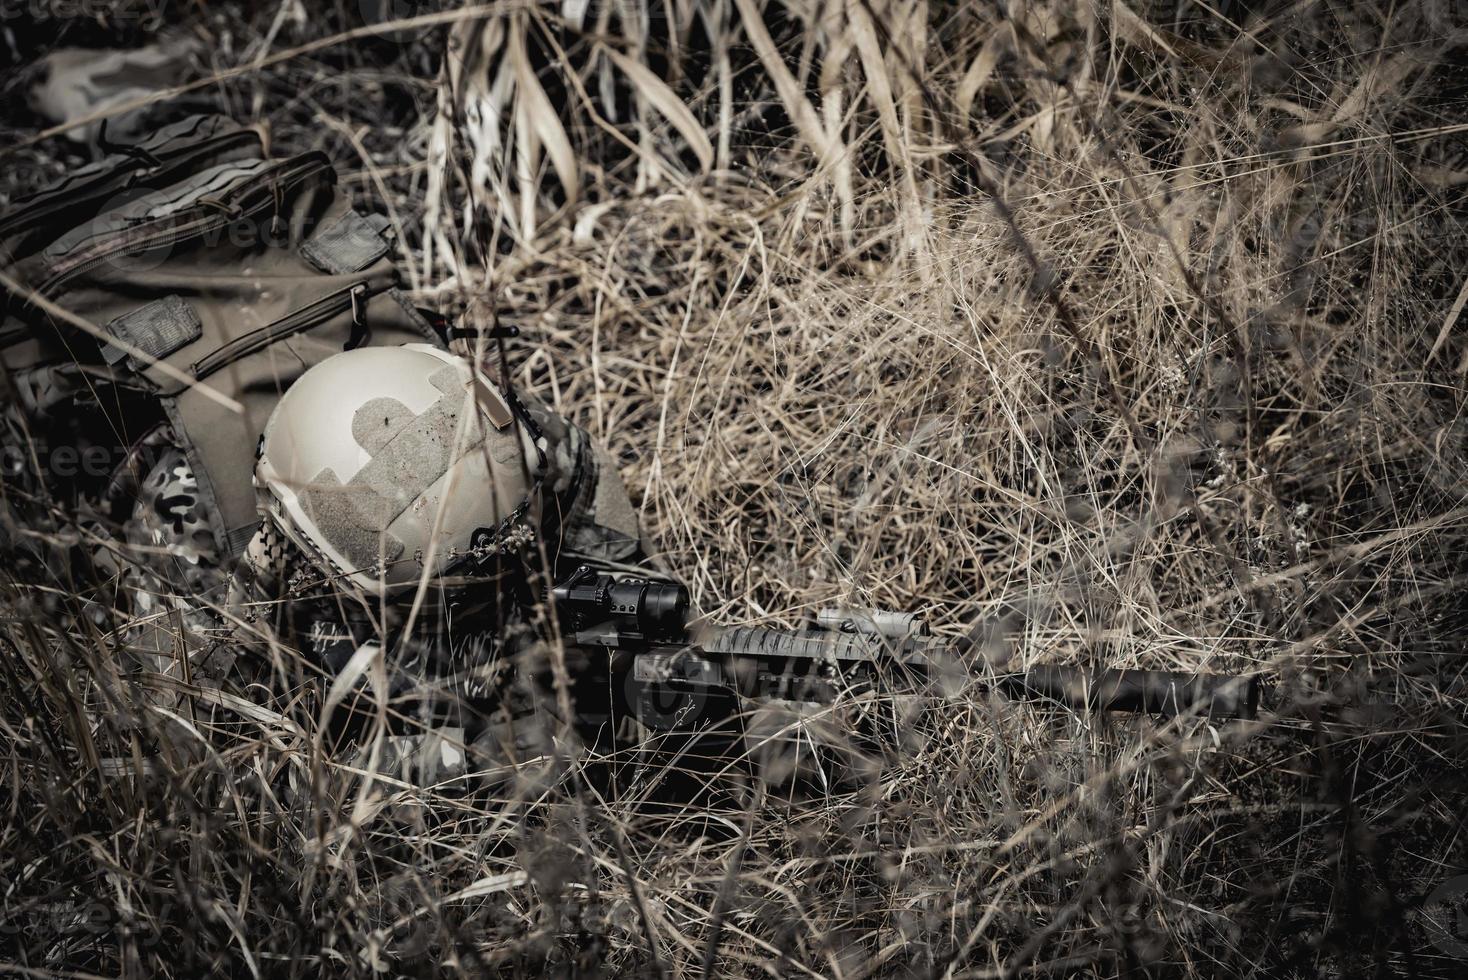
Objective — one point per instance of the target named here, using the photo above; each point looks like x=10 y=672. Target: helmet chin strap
x=472 y=342
x=465 y=341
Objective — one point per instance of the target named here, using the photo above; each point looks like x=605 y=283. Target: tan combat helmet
x=383 y=463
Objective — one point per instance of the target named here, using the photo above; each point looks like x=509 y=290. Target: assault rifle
x=682 y=674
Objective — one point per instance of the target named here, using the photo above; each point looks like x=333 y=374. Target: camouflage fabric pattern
x=173 y=582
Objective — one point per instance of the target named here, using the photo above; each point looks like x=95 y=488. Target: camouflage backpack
x=188 y=280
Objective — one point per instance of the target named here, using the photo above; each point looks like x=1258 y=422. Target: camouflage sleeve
x=172 y=581
x=597 y=519
x=257 y=577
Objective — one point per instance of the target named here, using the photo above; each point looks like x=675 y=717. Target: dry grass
x=1122 y=335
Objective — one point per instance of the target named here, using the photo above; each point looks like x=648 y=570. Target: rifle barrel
x=1156 y=692
x=1161 y=692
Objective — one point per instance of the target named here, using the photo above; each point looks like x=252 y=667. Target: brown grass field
x=1114 y=333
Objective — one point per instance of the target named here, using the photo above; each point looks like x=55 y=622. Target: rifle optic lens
x=662 y=611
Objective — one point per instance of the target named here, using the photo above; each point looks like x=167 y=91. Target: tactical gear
x=230 y=302
x=385 y=463
x=216 y=276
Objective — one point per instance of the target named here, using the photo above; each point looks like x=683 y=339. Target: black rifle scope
x=657 y=611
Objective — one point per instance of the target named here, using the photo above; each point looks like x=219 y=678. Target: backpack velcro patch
x=349 y=244
x=157 y=329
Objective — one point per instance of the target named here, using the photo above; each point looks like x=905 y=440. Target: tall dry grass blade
x=880 y=91
x=1449 y=321
x=977 y=75
x=542 y=119
x=826 y=146
x=656 y=93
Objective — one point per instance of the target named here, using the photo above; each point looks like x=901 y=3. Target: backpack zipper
x=353 y=297
x=276 y=181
